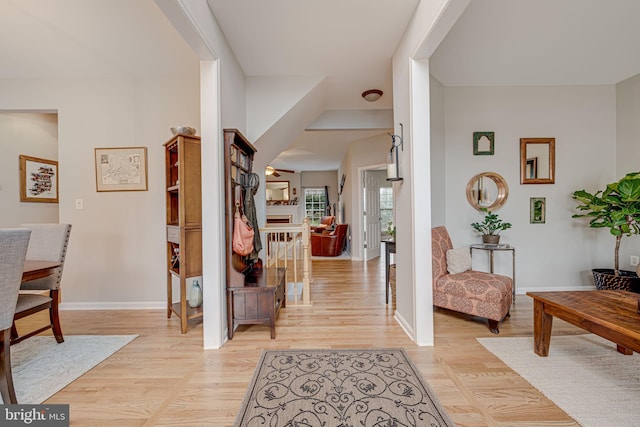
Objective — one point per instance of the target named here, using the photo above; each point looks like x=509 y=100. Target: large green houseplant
x=617 y=208
x=490 y=227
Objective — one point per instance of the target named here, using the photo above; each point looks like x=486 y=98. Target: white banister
x=289 y=246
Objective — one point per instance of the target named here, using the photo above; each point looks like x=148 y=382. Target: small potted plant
x=617 y=208
x=491 y=227
x=391 y=230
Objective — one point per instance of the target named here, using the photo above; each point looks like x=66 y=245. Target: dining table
x=38 y=269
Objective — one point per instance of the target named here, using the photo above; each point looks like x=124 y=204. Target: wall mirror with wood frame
x=487 y=190
x=277 y=191
x=537 y=160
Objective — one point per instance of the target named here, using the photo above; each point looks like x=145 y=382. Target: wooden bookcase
x=184 y=224
x=254 y=294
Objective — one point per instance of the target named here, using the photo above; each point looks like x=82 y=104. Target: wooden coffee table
x=613 y=315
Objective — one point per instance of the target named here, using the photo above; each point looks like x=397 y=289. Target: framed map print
x=38 y=180
x=121 y=169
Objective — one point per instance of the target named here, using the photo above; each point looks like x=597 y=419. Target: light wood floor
x=164 y=378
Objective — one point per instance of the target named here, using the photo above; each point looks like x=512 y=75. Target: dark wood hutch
x=254 y=294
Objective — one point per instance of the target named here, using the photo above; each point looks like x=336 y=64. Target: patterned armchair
x=472 y=292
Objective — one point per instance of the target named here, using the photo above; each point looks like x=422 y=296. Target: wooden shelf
x=192 y=312
x=184 y=223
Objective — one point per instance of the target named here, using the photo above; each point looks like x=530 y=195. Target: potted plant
x=391 y=230
x=490 y=227
x=617 y=208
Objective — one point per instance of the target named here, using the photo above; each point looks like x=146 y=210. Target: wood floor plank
x=164 y=378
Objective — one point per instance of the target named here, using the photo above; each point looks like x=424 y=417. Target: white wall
x=116 y=254
x=362 y=153
x=628 y=148
x=438 y=153
x=560 y=253
x=31 y=134
x=411 y=92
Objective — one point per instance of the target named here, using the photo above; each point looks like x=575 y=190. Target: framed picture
x=483 y=143
x=537 y=210
x=38 y=180
x=121 y=169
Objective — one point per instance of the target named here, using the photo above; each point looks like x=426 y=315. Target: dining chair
x=13 y=250
x=48 y=243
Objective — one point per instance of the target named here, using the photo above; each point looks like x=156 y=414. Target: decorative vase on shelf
x=195 y=296
x=492 y=239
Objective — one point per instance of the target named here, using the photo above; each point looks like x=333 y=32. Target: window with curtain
x=315 y=202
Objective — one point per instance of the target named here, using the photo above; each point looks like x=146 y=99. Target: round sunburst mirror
x=487 y=190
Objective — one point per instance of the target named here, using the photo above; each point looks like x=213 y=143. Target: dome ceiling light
x=372 y=95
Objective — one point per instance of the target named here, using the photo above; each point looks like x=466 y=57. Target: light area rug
x=346 y=387
x=41 y=367
x=584 y=375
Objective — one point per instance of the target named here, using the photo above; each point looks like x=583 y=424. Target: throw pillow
x=458 y=260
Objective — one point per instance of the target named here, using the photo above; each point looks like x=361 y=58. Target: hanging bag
x=242 y=233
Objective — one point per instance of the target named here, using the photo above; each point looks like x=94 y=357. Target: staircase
x=289 y=245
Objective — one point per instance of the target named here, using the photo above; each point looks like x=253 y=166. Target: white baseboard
x=523 y=291
x=406 y=327
x=116 y=305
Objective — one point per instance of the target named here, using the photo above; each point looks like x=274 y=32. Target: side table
x=389 y=248
x=499 y=247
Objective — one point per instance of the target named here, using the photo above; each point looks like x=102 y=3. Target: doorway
x=34 y=134
x=377 y=210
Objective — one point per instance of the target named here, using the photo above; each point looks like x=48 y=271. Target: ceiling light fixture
x=372 y=95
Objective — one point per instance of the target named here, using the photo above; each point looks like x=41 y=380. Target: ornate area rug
x=339 y=388
x=584 y=375
x=41 y=367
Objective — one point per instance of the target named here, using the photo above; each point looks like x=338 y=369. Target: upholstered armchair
x=326 y=223
x=329 y=243
x=472 y=292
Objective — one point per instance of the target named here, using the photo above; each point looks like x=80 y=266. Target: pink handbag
x=242 y=233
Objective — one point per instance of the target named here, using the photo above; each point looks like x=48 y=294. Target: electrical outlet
x=634 y=260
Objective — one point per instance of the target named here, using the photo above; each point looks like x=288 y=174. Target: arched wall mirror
x=487 y=190
x=537 y=160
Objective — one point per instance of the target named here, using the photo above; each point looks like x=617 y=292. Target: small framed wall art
x=121 y=169
x=483 y=143
x=537 y=210
x=38 y=180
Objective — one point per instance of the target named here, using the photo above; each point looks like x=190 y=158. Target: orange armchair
x=329 y=243
x=326 y=223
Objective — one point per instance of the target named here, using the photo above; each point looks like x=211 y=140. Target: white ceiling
x=541 y=42
x=350 y=43
x=88 y=38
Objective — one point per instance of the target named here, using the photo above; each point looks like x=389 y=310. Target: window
x=315 y=201
x=386 y=206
